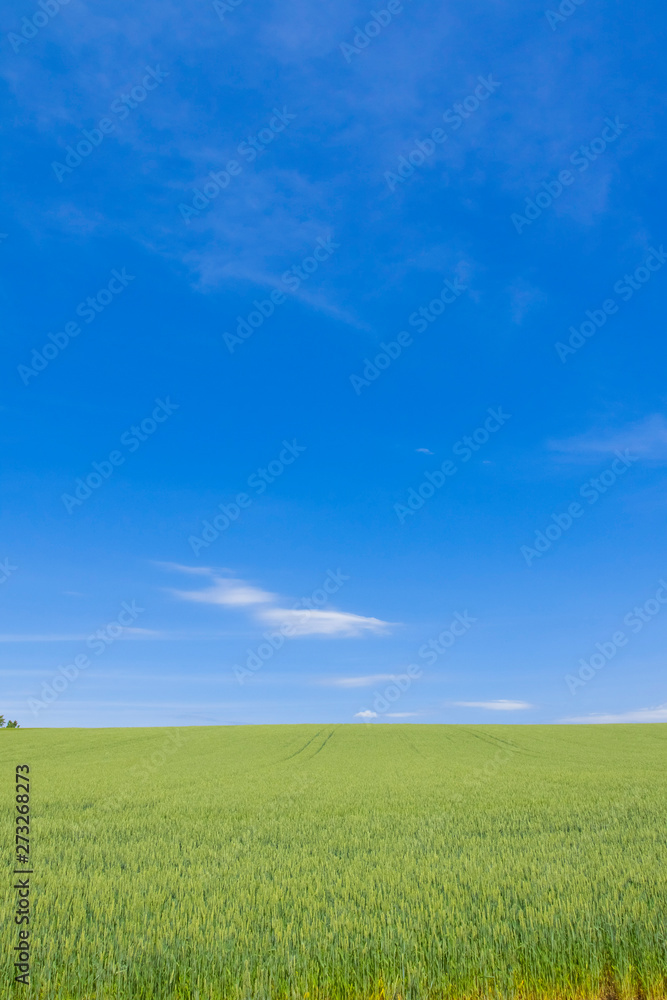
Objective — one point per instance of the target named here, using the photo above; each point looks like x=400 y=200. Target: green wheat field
x=351 y=861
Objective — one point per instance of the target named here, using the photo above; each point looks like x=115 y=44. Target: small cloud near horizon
x=369 y=714
x=355 y=682
x=657 y=714
x=500 y=705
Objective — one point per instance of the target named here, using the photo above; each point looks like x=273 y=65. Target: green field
x=342 y=861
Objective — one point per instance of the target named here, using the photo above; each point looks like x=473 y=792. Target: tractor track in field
x=414 y=749
x=306 y=744
x=496 y=741
x=325 y=742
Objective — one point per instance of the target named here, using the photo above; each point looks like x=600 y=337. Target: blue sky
x=333 y=381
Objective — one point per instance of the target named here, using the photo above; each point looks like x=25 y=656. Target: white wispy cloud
x=369 y=714
x=194 y=570
x=234 y=593
x=657 y=714
x=425 y=451
x=645 y=439
x=297 y=621
x=128 y=632
x=213 y=272
x=357 y=682
x=499 y=705
x=43 y=637
x=133 y=632
x=340 y=624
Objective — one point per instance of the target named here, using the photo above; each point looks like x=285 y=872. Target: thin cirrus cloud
x=194 y=570
x=340 y=624
x=357 y=682
x=126 y=632
x=500 y=705
x=227 y=592
x=230 y=592
x=657 y=714
x=369 y=714
x=645 y=439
